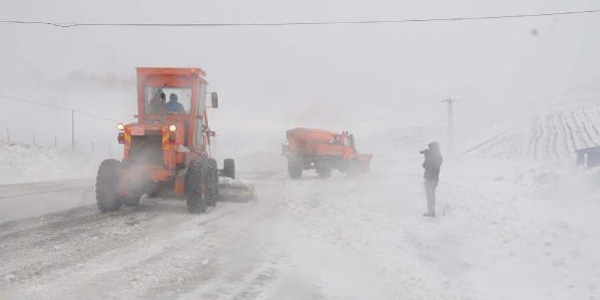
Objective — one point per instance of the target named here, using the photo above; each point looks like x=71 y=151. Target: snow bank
x=24 y=163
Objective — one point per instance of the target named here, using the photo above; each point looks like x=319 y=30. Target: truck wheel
x=294 y=169
x=132 y=200
x=229 y=168
x=353 y=168
x=324 y=172
x=196 y=181
x=213 y=186
x=106 y=186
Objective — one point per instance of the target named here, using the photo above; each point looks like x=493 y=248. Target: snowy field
x=553 y=137
x=507 y=229
x=21 y=163
x=509 y=89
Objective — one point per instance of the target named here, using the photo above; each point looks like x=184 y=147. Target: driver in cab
x=173 y=106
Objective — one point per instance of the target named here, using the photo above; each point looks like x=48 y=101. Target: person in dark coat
x=432 y=164
x=173 y=106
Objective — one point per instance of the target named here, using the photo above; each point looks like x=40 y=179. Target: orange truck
x=323 y=151
x=167 y=151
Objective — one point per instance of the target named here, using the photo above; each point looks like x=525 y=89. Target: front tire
x=324 y=172
x=229 y=168
x=294 y=169
x=353 y=168
x=196 y=182
x=107 y=182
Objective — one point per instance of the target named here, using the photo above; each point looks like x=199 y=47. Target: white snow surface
x=25 y=163
x=552 y=137
x=507 y=228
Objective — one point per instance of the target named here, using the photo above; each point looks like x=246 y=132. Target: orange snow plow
x=323 y=151
x=168 y=150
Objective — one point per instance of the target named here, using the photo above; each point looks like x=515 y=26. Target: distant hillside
x=552 y=137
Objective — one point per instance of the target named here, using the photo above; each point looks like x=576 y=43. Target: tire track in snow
x=583 y=142
x=515 y=147
x=592 y=124
x=539 y=140
x=593 y=116
x=592 y=141
x=571 y=135
x=554 y=132
x=519 y=146
x=548 y=135
x=52 y=247
x=536 y=138
x=564 y=134
x=532 y=134
x=510 y=146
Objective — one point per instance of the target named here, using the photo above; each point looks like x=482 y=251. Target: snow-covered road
x=23 y=200
x=338 y=238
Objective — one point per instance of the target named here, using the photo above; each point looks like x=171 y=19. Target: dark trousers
x=430 y=186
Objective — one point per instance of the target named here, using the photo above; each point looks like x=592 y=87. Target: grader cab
x=168 y=150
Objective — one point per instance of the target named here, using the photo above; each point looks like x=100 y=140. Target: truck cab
x=323 y=151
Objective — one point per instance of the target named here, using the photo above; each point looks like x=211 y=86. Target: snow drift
x=24 y=163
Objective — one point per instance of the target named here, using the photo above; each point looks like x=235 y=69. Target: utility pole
x=7 y=136
x=450 y=102
x=73 y=130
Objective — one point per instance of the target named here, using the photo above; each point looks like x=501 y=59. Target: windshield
x=168 y=100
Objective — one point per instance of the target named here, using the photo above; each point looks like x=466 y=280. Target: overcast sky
x=357 y=78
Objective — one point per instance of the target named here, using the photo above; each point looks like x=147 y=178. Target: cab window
x=167 y=100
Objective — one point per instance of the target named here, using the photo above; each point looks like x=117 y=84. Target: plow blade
x=235 y=190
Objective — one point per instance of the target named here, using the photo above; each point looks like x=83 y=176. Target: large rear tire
x=324 y=172
x=229 y=168
x=213 y=186
x=107 y=181
x=196 y=182
x=294 y=169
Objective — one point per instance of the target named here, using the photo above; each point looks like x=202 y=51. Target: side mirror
x=215 y=99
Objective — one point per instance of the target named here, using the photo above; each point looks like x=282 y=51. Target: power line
x=57 y=107
x=303 y=23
